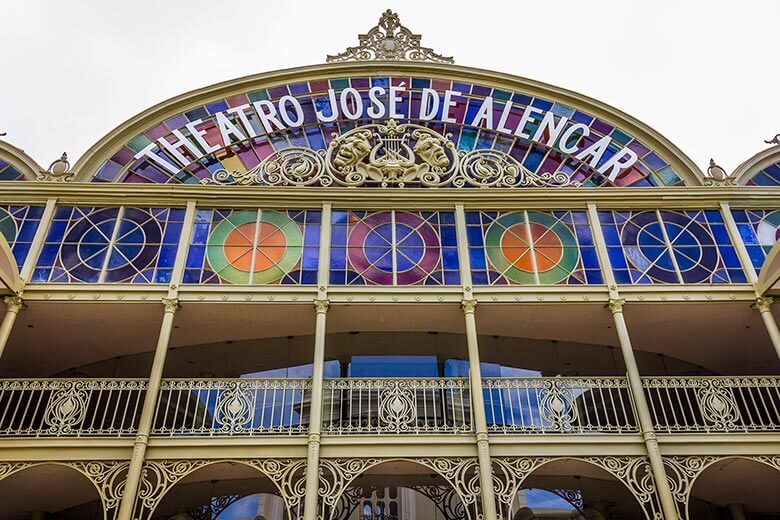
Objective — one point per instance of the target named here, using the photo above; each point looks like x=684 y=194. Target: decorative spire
x=389 y=41
x=717 y=176
x=58 y=171
x=774 y=140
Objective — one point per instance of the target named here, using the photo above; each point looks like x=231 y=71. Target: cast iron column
x=13 y=306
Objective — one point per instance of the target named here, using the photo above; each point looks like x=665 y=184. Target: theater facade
x=388 y=287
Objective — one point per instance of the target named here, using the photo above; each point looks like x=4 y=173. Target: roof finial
x=58 y=171
x=774 y=140
x=717 y=176
x=389 y=41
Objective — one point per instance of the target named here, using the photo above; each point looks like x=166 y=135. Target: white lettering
x=241 y=113
x=356 y=110
x=429 y=104
x=284 y=111
x=596 y=151
x=377 y=109
x=395 y=99
x=504 y=117
x=566 y=137
x=228 y=129
x=617 y=165
x=173 y=148
x=147 y=152
x=267 y=114
x=548 y=124
x=528 y=117
x=198 y=134
x=485 y=112
x=334 y=111
x=447 y=104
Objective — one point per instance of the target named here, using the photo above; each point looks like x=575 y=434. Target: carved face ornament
x=353 y=150
x=431 y=151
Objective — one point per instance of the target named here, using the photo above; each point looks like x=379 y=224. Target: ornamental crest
x=391 y=154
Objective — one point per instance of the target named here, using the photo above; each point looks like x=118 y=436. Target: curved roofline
x=745 y=171
x=21 y=160
x=88 y=163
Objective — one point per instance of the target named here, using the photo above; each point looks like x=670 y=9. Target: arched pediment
x=15 y=165
x=763 y=169
x=386 y=123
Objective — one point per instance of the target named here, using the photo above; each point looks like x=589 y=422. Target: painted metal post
x=478 y=409
x=764 y=306
x=170 y=305
x=315 y=415
x=13 y=306
x=643 y=411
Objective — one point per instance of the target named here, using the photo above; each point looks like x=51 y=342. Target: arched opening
x=49 y=492
x=735 y=489
x=572 y=489
x=401 y=490
x=223 y=491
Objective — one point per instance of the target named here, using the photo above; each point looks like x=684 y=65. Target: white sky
x=706 y=74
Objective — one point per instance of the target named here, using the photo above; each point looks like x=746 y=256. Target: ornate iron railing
x=714 y=404
x=237 y=407
x=70 y=407
x=559 y=405
x=414 y=406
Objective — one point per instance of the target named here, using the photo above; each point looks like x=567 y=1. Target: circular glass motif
x=136 y=245
x=370 y=248
x=768 y=230
x=7 y=226
x=544 y=244
x=245 y=249
x=693 y=246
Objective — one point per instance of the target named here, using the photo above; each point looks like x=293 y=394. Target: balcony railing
x=236 y=407
x=70 y=407
x=714 y=404
x=417 y=406
x=259 y=407
x=559 y=405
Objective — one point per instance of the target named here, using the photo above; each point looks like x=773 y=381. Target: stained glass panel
x=769 y=176
x=106 y=245
x=760 y=230
x=670 y=247
x=9 y=172
x=531 y=248
x=190 y=147
x=393 y=248
x=18 y=225
x=254 y=247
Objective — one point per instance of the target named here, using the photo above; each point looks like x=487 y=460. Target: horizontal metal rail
x=70 y=407
x=233 y=407
x=408 y=406
x=714 y=404
x=559 y=405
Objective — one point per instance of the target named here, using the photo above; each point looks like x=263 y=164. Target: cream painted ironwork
x=431 y=405
x=714 y=404
x=559 y=405
x=233 y=407
x=70 y=407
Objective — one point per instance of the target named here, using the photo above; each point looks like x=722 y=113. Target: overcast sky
x=705 y=74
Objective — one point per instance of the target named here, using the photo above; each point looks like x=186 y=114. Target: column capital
x=615 y=305
x=171 y=304
x=321 y=306
x=763 y=303
x=468 y=306
x=14 y=303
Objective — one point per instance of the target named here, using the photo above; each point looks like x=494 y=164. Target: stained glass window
x=9 y=172
x=769 y=176
x=105 y=245
x=18 y=225
x=393 y=248
x=669 y=247
x=531 y=248
x=760 y=230
x=254 y=247
x=252 y=139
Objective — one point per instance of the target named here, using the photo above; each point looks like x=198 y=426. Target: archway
x=394 y=489
x=51 y=491
x=737 y=488
x=222 y=490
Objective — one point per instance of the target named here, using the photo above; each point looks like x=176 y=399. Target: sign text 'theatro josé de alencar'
x=235 y=124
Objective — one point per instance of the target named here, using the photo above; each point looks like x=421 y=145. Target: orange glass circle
x=269 y=251
x=548 y=249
